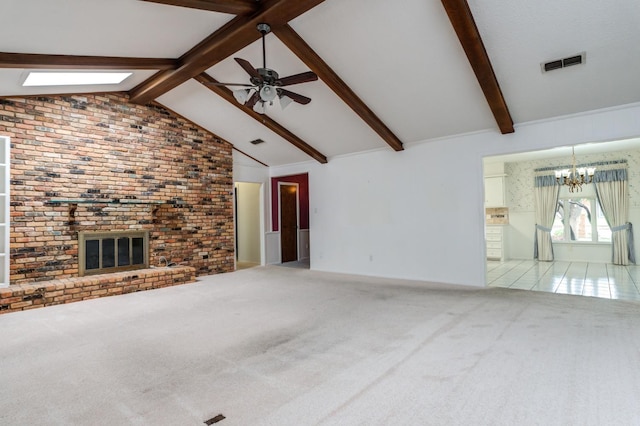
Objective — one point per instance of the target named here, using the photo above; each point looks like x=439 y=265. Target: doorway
x=510 y=250
x=248 y=223
x=288 y=221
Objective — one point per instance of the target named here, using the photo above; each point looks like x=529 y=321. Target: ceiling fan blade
x=228 y=84
x=252 y=100
x=297 y=79
x=294 y=96
x=248 y=68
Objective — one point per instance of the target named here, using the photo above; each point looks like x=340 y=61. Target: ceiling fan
x=266 y=84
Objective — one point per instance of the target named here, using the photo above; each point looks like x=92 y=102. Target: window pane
x=604 y=232
x=92 y=254
x=557 y=230
x=580 y=219
x=108 y=253
x=123 y=251
x=138 y=251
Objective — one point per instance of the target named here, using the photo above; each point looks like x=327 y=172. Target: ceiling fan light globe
x=241 y=95
x=285 y=101
x=268 y=93
x=259 y=107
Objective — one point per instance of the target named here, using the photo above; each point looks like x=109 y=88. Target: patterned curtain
x=545 y=191
x=612 y=190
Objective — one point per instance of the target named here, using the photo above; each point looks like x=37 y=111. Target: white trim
x=527 y=124
x=355 y=153
x=304 y=252
x=578 y=114
x=449 y=137
x=263 y=242
x=5 y=224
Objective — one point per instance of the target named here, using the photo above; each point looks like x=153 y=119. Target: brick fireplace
x=96 y=164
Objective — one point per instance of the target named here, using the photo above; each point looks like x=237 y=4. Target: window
x=61 y=78
x=112 y=251
x=580 y=219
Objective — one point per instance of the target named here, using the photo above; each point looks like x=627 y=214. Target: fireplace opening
x=104 y=252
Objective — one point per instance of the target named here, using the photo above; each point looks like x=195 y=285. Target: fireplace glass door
x=112 y=251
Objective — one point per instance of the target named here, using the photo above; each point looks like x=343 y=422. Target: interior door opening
x=289 y=223
x=248 y=224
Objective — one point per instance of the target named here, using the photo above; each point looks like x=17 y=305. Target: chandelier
x=576 y=177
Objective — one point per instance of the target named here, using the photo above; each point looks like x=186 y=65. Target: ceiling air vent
x=563 y=63
x=257 y=141
x=574 y=60
x=553 y=65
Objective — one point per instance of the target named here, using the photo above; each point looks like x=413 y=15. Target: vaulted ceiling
x=390 y=73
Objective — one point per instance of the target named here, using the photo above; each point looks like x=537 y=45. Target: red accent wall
x=303 y=184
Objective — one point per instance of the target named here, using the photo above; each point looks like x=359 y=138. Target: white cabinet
x=5 y=144
x=494 y=191
x=495 y=236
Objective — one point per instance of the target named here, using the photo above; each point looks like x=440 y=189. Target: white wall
x=303 y=244
x=5 y=217
x=247 y=170
x=274 y=253
x=419 y=213
x=248 y=221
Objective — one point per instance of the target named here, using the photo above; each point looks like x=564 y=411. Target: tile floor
x=581 y=278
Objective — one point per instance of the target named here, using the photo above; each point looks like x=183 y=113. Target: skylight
x=44 y=78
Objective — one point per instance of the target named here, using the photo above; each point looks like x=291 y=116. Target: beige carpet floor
x=283 y=346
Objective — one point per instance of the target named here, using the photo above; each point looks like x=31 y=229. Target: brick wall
x=22 y=297
x=99 y=147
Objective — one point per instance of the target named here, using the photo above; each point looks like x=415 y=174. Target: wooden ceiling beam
x=37 y=61
x=469 y=36
x=248 y=156
x=235 y=35
x=297 y=45
x=235 y=7
x=227 y=94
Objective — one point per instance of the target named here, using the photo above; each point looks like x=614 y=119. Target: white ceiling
x=402 y=59
x=521 y=34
